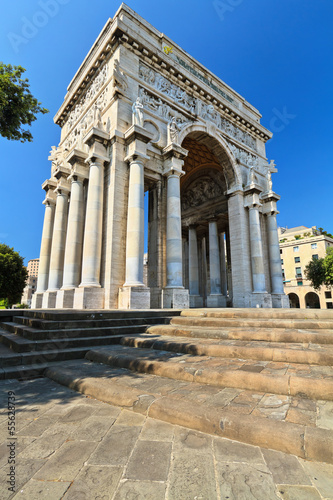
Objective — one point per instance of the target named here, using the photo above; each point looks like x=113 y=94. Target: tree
x=13 y=275
x=17 y=105
x=320 y=271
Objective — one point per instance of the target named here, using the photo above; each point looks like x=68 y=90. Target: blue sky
x=275 y=53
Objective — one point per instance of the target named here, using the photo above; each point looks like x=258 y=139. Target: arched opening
x=312 y=301
x=294 y=300
x=205 y=225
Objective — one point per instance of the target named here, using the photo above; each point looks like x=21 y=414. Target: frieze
x=156 y=105
x=200 y=191
x=193 y=105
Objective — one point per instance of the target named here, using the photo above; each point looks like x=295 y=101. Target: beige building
x=298 y=245
x=142 y=116
x=31 y=284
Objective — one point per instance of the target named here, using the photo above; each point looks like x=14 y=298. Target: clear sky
x=275 y=53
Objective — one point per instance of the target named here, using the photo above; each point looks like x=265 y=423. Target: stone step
x=35 y=334
x=284 y=423
x=237 y=333
x=260 y=322
x=313 y=382
x=318 y=314
x=20 y=345
x=260 y=351
x=71 y=315
x=89 y=323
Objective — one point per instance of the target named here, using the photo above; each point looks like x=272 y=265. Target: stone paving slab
x=141 y=458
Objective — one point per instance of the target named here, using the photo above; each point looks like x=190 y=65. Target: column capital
x=97 y=158
x=77 y=156
x=136 y=140
x=136 y=157
x=49 y=185
x=61 y=172
x=173 y=156
x=174 y=151
x=63 y=186
x=96 y=135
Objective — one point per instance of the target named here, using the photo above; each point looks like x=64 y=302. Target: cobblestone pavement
x=67 y=446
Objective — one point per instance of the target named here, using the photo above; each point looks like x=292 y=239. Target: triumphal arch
x=142 y=116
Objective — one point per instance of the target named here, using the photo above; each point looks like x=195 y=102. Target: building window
x=315 y=256
x=296 y=249
x=297 y=259
x=282 y=262
x=329 y=305
x=328 y=295
x=299 y=283
x=283 y=275
x=298 y=271
x=313 y=246
x=280 y=250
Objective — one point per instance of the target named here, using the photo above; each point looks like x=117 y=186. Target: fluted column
x=135 y=224
x=74 y=241
x=45 y=248
x=214 y=259
x=224 y=280
x=257 y=259
x=173 y=232
x=92 y=246
x=193 y=261
x=58 y=239
x=274 y=254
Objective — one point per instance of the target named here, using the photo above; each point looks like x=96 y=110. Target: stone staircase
x=262 y=377
x=31 y=340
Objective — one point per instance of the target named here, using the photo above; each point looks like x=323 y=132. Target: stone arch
x=312 y=300
x=208 y=136
x=294 y=300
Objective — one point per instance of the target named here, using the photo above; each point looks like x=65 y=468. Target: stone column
x=195 y=299
x=279 y=299
x=89 y=295
x=45 y=249
x=135 y=225
x=134 y=294
x=174 y=294
x=215 y=298
x=224 y=280
x=74 y=240
x=58 y=244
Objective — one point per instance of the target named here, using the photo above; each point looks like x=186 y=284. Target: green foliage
x=13 y=275
x=298 y=237
x=320 y=272
x=17 y=105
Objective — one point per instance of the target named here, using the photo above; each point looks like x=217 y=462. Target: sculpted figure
x=98 y=117
x=173 y=131
x=119 y=77
x=269 y=181
x=137 y=113
x=251 y=179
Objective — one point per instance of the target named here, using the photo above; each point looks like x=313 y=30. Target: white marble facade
x=142 y=116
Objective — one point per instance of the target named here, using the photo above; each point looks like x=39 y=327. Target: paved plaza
x=69 y=446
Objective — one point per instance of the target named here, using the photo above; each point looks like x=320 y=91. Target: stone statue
x=173 y=131
x=98 y=117
x=119 y=77
x=269 y=181
x=251 y=179
x=137 y=113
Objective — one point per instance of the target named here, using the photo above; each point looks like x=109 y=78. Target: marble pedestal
x=37 y=300
x=65 y=299
x=155 y=298
x=175 y=298
x=260 y=299
x=216 y=300
x=196 y=301
x=134 y=297
x=280 y=300
x=49 y=300
x=89 y=298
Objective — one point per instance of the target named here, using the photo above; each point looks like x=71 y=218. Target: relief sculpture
x=199 y=192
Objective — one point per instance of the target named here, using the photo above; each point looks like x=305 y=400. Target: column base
x=196 y=301
x=65 y=299
x=155 y=298
x=280 y=300
x=175 y=298
x=260 y=299
x=216 y=300
x=37 y=300
x=49 y=300
x=89 y=298
x=134 y=297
